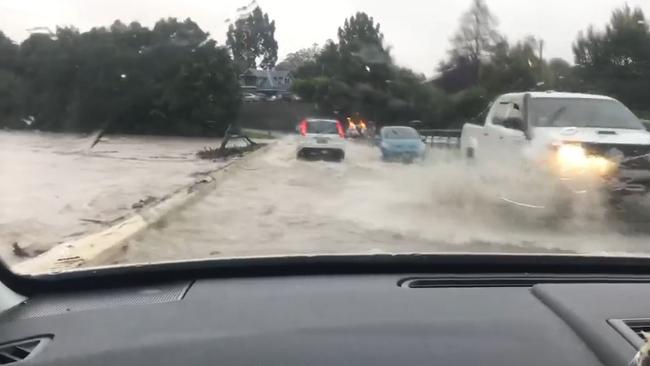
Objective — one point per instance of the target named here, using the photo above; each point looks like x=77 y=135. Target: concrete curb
x=99 y=248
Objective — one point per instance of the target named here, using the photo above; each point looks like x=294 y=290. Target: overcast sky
x=417 y=30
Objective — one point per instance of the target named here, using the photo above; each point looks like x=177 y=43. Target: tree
x=363 y=56
x=8 y=52
x=357 y=75
x=48 y=66
x=252 y=41
x=623 y=44
x=10 y=82
x=509 y=69
x=171 y=79
x=295 y=60
x=353 y=75
x=477 y=33
x=457 y=74
x=561 y=76
x=476 y=38
x=616 y=61
x=360 y=35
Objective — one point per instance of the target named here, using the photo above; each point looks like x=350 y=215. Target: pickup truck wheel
x=469 y=153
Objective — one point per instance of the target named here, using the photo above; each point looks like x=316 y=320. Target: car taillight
x=339 y=127
x=303 y=128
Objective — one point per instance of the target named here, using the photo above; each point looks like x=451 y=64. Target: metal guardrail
x=441 y=137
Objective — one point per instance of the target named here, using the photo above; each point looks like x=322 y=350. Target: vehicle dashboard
x=335 y=319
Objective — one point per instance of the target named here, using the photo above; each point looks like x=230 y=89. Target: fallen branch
x=220 y=153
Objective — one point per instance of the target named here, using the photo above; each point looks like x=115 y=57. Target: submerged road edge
x=99 y=248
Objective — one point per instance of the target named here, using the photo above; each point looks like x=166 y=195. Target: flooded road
x=273 y=204
x=55 y=189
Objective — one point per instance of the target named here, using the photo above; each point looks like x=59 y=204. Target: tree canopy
x=477 y=33
x=252 y=41
x=616 y=60
x=357 y=75
x=476 y=39
x=171 y=79
x=10 y=82
x=293 y=61
x=174 y=79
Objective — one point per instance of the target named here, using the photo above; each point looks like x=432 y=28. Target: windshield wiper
x=559 y=112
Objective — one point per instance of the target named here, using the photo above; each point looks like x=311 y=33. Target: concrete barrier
x=99 y=248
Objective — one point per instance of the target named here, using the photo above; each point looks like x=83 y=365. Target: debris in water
x=20 y=252
x=96 y=137
x=144 y=202
x=216 y=153
x=38 y=252
x=94 y=221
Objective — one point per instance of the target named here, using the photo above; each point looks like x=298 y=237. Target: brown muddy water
x=54 y=189
x=273 y=204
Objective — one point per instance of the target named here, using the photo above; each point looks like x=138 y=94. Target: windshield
x=581 y=112
x=399 y=133
x=322 y=127
x=142 y=132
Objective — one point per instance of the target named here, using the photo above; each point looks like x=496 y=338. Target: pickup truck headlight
x=573 y=158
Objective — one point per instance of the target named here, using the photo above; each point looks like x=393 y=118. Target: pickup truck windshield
x=581 y=112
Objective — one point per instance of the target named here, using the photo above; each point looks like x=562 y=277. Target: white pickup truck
x=567 y=133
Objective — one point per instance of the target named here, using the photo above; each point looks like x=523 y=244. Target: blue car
x=401 y=143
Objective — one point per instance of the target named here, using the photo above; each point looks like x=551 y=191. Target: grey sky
x=417 y=30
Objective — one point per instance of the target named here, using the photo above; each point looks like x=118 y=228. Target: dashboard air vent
x=632 y=330
x=639 y=327
x=505 y=280
x=18 y=351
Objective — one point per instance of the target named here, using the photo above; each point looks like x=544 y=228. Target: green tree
x=560 y=76
x=357 y=75
x=10 y=83
x=364 y=59
x=48 y=65
x=616 y=61
x=326 y=63
x=476 y=39
x=361 y=36
x=252 y=41
x=171 y=79
x=295 y=60
x=510 y=69
x=8 y=52
x=477 y=33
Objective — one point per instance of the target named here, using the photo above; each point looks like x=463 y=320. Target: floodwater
x=55 y=189
x=273 y=204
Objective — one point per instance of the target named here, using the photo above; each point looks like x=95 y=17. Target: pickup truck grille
x=633 y=156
